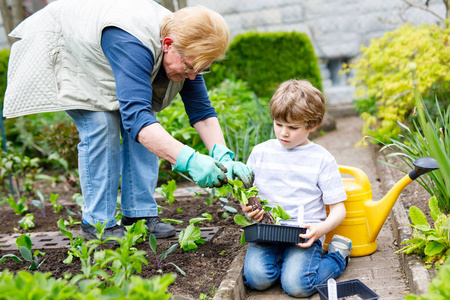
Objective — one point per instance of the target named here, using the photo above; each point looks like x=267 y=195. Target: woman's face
x=177 y=67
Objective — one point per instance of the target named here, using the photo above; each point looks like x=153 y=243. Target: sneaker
x=342 y=245
x=89 y=232
x=159 y=228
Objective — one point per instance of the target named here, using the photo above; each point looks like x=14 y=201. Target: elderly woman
x=111 y=64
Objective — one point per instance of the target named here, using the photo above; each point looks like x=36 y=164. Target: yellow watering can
x=365 y=217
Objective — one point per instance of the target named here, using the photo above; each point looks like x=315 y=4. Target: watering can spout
x=378 y=211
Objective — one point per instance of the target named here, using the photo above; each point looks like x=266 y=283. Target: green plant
x=439 y=289
x=27 y=222
x=74 y=243
x=190 y=237
x=25 y=245
x=433 y=244
x=205 y=217
x=53 y=199
x=71 y=222
x=125 y=259
x=40 y=202
x=19 y=207
x=427 y=138
x=384 y=72
x=167 y=190
x=37 y=285
x=264 y=60
x=159 y=260
x=22 y=168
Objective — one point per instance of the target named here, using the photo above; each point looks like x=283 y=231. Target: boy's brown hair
x=299 y=102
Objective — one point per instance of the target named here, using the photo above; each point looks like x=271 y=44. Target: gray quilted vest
x=58 y=64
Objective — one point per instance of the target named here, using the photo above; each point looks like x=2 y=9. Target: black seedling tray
x=348 y=288
x=259 y=232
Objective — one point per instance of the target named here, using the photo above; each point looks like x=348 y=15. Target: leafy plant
x=56 y=207
x=167 y=190
x=74 y=243
x=24 y=245
x=19 y=207
x=125 y=259
x=190 y=237
x=205 y=217
x=438 y=288
x=164 y=254
x=27 y=222
x=427 y=138
x=384 y=73
x=433 y=244
x=71 y=222
x=40 y=202
x=22 y=168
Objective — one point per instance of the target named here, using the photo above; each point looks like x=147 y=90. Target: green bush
x=265 y=60
x=391 y=66
x=4 y=57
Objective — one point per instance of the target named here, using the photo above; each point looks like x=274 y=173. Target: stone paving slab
x=57 y=240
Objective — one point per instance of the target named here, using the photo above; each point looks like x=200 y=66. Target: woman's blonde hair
x=199 y=33
x=299 y=102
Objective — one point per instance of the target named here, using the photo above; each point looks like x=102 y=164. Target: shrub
x=265 y=60
x=385 y=72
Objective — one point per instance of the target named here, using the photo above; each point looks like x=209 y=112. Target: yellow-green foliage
x=387 y=68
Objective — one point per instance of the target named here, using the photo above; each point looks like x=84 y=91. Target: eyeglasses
x=189 y=69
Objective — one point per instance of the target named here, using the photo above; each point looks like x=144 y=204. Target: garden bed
x=205 y=267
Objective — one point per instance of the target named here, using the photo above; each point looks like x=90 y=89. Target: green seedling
x=126 y=259
x=19 y=207
x=39 y=203
x=27 y=222
x=71 y=222
x=24 y=245
x=190 y=237
x=74 y=243
x=206 y=217
x=56 y=207
x=174 y=221
x=164 y=254
x=167 y=190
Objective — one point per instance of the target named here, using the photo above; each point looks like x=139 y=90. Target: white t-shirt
x=305 y=176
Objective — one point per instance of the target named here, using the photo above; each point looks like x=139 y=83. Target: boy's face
x=291 y=135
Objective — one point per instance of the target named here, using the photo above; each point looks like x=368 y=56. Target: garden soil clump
x=205 y=267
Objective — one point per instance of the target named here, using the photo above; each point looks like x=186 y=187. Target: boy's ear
x=313 y=129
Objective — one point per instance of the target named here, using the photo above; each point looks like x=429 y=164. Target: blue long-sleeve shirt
x=132 y=64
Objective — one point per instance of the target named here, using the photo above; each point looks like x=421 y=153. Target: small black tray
x=259 y=232
x=348 y=288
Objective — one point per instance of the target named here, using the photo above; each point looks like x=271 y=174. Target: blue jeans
x=102 y=159
x=299 y=269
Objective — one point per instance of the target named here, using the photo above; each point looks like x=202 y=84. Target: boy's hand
x=256 y=215
x=316 y=230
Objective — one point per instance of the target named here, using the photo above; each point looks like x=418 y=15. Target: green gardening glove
x=204 y=170
x=236 y=169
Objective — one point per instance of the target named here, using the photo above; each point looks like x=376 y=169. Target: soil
x=256 y=204
x=205 y=267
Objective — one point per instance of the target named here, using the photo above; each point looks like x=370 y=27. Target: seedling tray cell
x=348 y=288
x=259 y=232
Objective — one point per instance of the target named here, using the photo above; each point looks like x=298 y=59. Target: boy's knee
x=297 y=288
x=258 y=279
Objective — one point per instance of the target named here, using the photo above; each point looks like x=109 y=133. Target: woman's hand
x=314 y=232
x=256 y=215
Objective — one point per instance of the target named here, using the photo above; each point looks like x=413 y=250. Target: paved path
x=380 y=271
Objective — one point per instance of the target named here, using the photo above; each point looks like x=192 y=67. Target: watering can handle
x=360 y=177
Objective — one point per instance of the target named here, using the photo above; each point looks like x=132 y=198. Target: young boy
x=302 y=177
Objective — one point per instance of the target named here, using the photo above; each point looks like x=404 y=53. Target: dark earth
x=205 y=267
